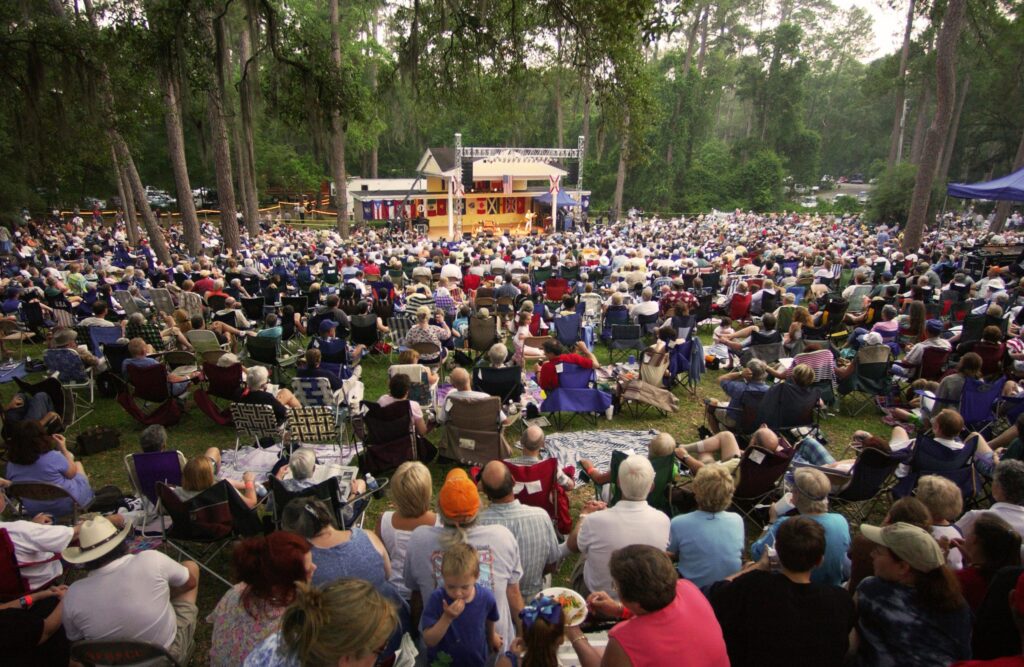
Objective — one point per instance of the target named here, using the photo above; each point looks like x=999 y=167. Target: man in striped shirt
x=531 y=526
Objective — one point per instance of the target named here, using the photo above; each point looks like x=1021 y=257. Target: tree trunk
x=1003 y=208
x=924 y=117
x=588 y=95
x=338 y=134
x=945 y=95
x=691 y=43
x=620 y=176
x=127 y=205
x=559 y=126
x=901 y=89
x=219 y=136
x=179 y=163
x=942 y=172
x=703 y=50
x=156 y=235
x=246 y=95
x=373 y=83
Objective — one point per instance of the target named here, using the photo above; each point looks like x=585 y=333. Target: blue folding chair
x=100 y=336
x=567 y=329
x=930 y=457
x=576 y=394
x=978 y=401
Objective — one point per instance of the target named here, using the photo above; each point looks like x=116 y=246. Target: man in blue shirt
x=735 y=384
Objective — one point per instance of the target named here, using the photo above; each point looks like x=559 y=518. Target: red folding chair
x=149 y=385
x=218 y=382
x=537 y=485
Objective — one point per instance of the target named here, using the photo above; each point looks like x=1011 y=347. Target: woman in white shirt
x=410 y=490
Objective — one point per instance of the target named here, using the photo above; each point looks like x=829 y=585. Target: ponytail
x=938 y=589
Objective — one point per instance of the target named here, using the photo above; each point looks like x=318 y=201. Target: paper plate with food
x=574 y=607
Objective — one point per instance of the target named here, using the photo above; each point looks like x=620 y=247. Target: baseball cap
x=911 y=544
x=935 y=326
x=327 y=325
x=458 y=499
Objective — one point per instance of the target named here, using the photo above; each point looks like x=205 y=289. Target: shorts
x=186 y=615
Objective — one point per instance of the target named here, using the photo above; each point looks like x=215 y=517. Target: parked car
x=800 y=189
x=92 y=202
x=809 y=202
x=863 y=197
x=857 y=178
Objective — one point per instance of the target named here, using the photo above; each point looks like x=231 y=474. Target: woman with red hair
x=268 y=569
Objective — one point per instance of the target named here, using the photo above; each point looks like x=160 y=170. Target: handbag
x=97 y=439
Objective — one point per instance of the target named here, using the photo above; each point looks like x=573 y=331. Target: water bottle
x=371 y=483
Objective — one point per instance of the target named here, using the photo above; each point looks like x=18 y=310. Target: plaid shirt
x=535 y=534
x=147 y=332
x=445 y=303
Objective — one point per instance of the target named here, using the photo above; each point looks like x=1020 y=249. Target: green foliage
x=758 y=182
x=891 y=199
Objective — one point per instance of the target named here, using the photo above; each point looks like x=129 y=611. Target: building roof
x=437 y=162
x=441 y=162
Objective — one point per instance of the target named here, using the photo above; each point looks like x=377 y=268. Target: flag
x=554 y=185
x=506 y=184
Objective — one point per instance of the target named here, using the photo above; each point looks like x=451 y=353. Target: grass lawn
x=196 y=432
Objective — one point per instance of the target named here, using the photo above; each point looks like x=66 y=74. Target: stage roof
x=1009 y=188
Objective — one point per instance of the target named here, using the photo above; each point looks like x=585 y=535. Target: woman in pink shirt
x=657 y=607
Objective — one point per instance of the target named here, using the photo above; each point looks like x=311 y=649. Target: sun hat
x=873 y=338
x=96 y=538
x=458 y=498
x=911 y=544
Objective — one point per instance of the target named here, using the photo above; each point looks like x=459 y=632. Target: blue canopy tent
x=1007 y=188
x=564 y=199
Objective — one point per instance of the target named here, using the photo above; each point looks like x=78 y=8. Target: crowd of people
x=798 y=304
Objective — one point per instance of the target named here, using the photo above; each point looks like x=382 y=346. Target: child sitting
x=543 y=627
x=458 y=618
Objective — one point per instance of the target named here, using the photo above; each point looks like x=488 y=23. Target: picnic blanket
x=597 y=446
x=262 y=461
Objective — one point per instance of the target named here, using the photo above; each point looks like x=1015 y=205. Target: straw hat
x=96 y=538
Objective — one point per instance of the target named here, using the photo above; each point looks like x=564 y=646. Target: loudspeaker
x=467 y=175
x=574 y=173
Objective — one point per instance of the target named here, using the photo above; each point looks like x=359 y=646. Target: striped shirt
x=535 y=534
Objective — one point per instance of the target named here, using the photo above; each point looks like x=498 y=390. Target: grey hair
x=497 y=354
x=137 y=319
x=257 y=377
x=758 y=370
x=153 y=438
x=1009 y=475
x=812 y=488
x=302 y=463
x=636 y=477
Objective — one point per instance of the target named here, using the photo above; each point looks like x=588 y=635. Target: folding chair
x=864 y=485
x=315 y=425
x=871 y=376
x=127 y=303
x=100 y=336
x=390 y=438
x=223 y=382
x=977 y=402
x=70 y=370
x=266 y=351
x=38 y=492
x=121 y=652
x=625 y=337
x=297 y=302
x=366 y=333
x=212 y=519
x=932 y=366
x=420 y=389
x=333 y=491
x=145 y=469
x=483 y=333
x=216 y=302
x=398 y=327
x=161 y=298
x=204 y=340
x=758 y=476
x=257 y=423
x=769 y=353
x=933 y=458
x=472 y=432
x=191 y=303
x=576 y=394
x=610 y=320
x=505 y=383
x=664 y=467
x=536 y=485
x=568 y=330
x=686 y=363
x=150 y=385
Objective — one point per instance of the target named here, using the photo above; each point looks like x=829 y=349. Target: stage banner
x=492 y=206
x=367 y=210
x=521 y=205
